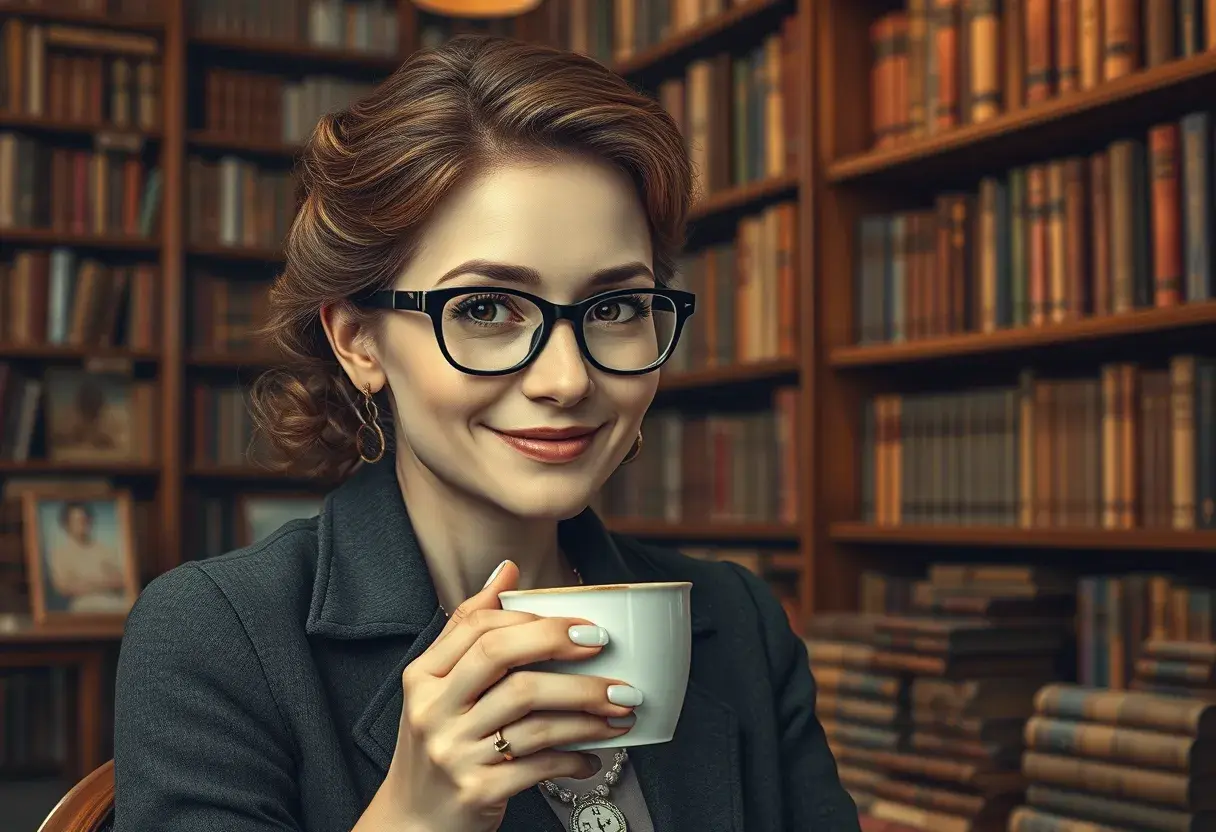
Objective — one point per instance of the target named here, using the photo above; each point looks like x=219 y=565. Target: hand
x=445 y=773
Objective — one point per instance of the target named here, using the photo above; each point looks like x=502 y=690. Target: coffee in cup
x=649 y=647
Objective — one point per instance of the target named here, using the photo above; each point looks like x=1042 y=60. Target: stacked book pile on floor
x=1118 y=761
x=1181 y=668
x=978 y=644
x=856 y=706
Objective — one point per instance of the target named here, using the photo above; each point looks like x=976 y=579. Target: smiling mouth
x=549 y=445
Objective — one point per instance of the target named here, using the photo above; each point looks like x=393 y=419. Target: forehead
x=564 y=219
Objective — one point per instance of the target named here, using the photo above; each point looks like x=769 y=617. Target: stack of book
x=980 y=641
x=1182 y=668
x=856 y=707
x=1118 y=760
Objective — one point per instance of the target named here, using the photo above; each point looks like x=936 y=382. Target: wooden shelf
x=1108 y=327
x=10 y=467
x=1015 y=537
x=705 y=532
x=318 y=57
x=1042 y=130
x=222 y=360
x=776 y=370
x=702 y=37
x=744 y=197
x=240 y=473
x=241 y=253
x=69 y=352
x=66 y=127
x=61 y=634
x=225 y=143
x=105 y=21
x=49 y=237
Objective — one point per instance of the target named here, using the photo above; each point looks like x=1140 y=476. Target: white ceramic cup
x=649 y=647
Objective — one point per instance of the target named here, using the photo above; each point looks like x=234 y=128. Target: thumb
x=505 y=576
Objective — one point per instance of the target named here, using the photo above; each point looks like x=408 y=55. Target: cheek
x=630 y=396
x=429 y=393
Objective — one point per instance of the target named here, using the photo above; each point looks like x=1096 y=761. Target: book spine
x=1068 y=61
x=1120 y=708
x=1166 y=220
x=985 y=65
x=1105 y=742
x=1090 y=49
x=948 y=77
x=1172 y=790
x=1197 y=190
x=1120 y=38
x=1040 y=40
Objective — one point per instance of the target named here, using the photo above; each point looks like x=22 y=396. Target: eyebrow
x=524 y=275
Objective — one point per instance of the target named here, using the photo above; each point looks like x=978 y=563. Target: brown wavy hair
x=372 y=174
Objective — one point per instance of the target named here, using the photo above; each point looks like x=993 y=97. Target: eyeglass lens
x=488 y=331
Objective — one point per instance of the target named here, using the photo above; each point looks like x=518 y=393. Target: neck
x=463 y=538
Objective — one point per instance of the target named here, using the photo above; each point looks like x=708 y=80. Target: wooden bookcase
x=856 y=180
x=175 y=365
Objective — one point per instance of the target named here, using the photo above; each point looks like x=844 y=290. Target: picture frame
x=80 y=556
x=260 y=515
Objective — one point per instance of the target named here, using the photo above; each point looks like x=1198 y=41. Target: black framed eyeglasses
x=493 y=331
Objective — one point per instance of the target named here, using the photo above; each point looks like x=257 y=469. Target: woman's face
x=565 y=222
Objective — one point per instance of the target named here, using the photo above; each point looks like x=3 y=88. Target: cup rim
x=513 y=593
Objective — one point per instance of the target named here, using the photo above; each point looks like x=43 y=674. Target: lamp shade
x=477 y=8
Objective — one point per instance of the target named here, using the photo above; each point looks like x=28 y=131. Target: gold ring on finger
x=502 y=746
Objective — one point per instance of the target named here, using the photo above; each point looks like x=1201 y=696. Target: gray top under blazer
x=261 y=690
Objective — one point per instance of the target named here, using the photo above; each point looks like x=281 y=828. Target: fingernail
x=624 y=695
x=588 y=635
x=494 y=574
x=622 y=721
x=593 y=762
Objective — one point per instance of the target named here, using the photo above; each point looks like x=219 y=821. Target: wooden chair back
x=88 y=807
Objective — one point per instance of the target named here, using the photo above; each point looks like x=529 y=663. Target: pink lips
x=552 y=445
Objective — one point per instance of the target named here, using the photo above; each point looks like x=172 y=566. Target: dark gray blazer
x=261 y=690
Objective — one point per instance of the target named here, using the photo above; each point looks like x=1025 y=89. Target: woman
x=481 y=255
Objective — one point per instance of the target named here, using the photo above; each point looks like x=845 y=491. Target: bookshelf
x=185 y=48
x=990 y=420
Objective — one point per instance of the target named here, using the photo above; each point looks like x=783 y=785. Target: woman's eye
x=484 y=311
x=613 y=311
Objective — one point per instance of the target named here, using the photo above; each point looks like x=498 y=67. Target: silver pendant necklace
x=594 y=812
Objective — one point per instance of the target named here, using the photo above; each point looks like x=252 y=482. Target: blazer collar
x=372 y=580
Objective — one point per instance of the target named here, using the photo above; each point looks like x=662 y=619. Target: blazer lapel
x=372 y=582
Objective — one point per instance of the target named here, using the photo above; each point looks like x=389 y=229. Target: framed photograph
x=80 y=556
x=261 y=515
x=89 y=416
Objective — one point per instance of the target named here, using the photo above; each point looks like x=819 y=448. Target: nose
x=558 y=374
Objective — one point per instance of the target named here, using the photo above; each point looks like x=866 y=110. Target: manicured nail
x=622 y=721
x=588 y=635
x=624 y=695
x=494 y=574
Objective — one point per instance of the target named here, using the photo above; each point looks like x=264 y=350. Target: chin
x=544 y=497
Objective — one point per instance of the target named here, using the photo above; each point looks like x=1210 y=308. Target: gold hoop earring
x=371 y=424
x=634 y=451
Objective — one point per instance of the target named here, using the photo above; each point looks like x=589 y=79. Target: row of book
x=729 y=467
x=941 y=64
x=739 y=114
x=1124 y=228
x=223 y=432
x=233 y=202
x=270 y=108
x=58 y=297
x=1130 y=449
x=226 y=313
x=100 y=192
x=76 y=416
x=747 y=294
x=53 y=72
x=35 y=708
x=366 y=26
x=616 y=30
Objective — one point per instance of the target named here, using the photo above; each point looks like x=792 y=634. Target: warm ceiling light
x=477 y=8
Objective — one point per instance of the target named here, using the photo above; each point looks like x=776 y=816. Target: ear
x=353 y=346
